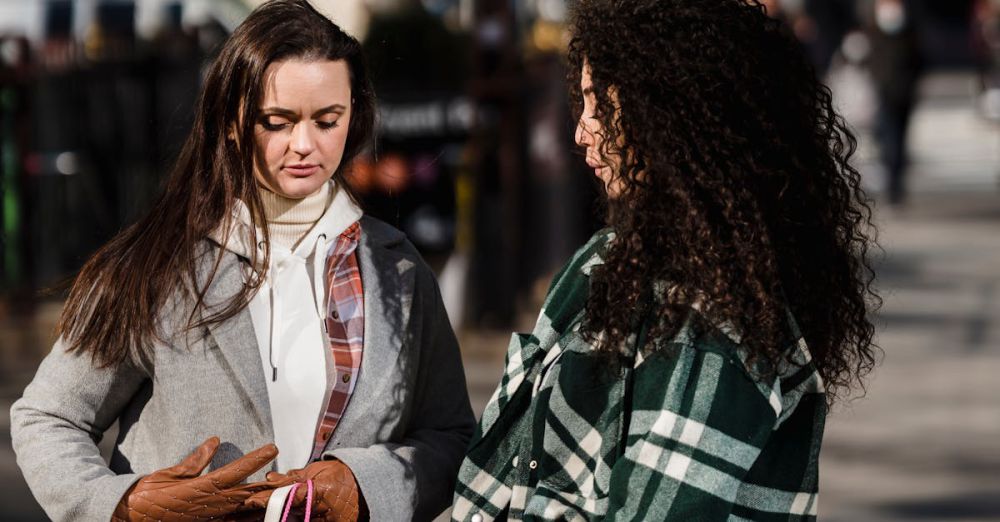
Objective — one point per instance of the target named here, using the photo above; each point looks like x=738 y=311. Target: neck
x=289 y=220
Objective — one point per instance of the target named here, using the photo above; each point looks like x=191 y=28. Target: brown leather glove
x=181 y=493
x=336 y=493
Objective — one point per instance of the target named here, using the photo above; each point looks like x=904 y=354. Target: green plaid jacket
x=684 y=433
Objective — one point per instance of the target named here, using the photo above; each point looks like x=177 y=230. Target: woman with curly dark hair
x=685 y=359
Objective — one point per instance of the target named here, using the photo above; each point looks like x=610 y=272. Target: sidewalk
x=924 y=444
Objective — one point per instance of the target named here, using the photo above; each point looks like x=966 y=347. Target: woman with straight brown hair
x=254 y=320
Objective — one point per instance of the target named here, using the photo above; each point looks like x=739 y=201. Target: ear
x=233 y=137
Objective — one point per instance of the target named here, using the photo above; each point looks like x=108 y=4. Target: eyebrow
x=335 y=108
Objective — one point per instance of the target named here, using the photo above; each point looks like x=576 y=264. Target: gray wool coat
x=403 y=434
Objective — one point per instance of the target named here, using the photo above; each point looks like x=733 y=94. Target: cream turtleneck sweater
x=289 y=220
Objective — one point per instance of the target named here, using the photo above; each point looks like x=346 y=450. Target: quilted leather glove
x=181 y=493
x=337 y=497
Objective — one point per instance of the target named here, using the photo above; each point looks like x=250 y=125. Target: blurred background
x=476 y=164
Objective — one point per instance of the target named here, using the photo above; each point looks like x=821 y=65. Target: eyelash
x=275 y=127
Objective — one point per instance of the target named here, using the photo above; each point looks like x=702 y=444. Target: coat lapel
x=387 y=277
x=235 y=337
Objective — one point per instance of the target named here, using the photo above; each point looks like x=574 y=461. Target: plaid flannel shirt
x=345 y=328
x=683 y=433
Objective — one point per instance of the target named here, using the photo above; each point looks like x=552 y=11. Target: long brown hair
x=736 y=185
x=114 y=305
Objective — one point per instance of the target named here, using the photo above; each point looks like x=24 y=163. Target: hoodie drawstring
x=275 y=328
x=319 y=275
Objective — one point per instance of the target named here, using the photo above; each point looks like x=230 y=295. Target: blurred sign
x=431 y=118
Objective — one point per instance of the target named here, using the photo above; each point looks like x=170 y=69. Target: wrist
x=122 y=510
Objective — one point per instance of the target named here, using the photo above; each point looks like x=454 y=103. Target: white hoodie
x=288 y=314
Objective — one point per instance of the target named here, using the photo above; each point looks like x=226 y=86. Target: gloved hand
x=337 y=497
x=181 y=493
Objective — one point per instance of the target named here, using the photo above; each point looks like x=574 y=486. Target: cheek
x=273 y=145
x=276 y=148
x=333 y=143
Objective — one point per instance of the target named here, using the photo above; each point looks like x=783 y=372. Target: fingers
x=261 y=491
x=195 y=463
x=238 y=470
x=258 y=500
x=290 y=475
x=267 y=485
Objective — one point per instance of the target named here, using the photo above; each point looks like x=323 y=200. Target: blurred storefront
x=474 y=159
x=93 y=114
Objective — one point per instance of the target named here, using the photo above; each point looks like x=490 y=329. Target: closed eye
x=273 y=124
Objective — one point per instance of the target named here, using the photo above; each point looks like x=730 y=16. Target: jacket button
x=346 y=378
x=476 y=518
x=533 y=464
x=335 y=314
x=515 y=461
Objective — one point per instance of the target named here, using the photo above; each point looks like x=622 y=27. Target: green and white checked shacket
x=686 y=433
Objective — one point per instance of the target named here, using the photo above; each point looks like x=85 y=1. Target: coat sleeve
x=55 y=428
x=697 y=425
x=413 y=479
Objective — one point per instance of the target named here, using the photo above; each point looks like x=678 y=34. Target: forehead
x=295 y=82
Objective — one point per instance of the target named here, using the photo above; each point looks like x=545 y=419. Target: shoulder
x=218 y=273
x=568 y=291
x=389 y=250
x=380 y=238
x=376 y=231
x=703 y=343
x=590 y=254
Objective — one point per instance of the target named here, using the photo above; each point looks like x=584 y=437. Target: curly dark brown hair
x=735 y=183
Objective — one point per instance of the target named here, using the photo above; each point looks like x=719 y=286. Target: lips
x=592 y=162
x=302 y=170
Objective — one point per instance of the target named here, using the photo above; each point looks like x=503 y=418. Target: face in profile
x=303 y=124
x=590 y=135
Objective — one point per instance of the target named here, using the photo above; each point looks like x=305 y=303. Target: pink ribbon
x=291 y=497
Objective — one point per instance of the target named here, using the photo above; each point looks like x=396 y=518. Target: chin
x=298 y=188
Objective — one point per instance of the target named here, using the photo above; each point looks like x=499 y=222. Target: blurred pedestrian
x=254 y=306
x=895 y=63
x=832 y=20
x=684 y=360
x=819 y=25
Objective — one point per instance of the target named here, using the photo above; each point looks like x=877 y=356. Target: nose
x=302 y=141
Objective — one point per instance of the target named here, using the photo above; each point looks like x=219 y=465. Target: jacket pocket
x=581 y=436
x=549 y=503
